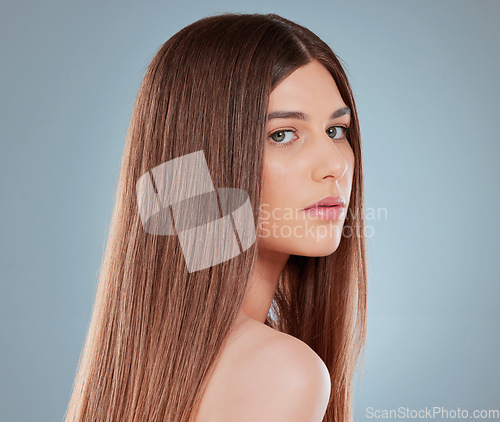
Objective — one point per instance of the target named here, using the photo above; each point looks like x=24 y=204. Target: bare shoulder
x=266 y=375
x=294 y=377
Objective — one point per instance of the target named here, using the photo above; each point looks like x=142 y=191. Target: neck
x=263 y=283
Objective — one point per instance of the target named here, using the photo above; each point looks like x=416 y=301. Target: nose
x=328 y=160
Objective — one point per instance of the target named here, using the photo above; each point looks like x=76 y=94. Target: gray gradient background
x=424 y=74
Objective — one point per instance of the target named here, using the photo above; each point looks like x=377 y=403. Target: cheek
x=278 y=184
x=348 y=154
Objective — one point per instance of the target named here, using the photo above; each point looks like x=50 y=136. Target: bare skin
x=261 y=374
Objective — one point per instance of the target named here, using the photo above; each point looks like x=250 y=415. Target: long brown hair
x=156 y=329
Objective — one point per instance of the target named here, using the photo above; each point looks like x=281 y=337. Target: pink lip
x=328 y=201
x=327 y=213
x=327 y=208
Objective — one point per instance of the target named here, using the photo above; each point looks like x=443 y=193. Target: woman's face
x=306 y=157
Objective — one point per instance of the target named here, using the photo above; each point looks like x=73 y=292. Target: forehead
x=309 y=86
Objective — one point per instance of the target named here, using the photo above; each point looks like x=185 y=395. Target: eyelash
x=287 y=144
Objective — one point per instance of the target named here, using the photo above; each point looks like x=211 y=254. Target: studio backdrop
x=425 y=80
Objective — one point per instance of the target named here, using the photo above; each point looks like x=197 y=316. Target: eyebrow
x=302 y=116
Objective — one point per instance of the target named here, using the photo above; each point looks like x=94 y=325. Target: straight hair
x=156 y=329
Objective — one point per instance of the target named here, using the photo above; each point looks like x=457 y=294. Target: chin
x=323 y=247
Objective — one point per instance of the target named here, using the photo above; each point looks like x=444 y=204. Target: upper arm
x=286 y=381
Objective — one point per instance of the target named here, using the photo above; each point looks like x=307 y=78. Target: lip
x=327 y=208
x=328 y=201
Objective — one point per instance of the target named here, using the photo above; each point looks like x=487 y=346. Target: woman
x=273 y=333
